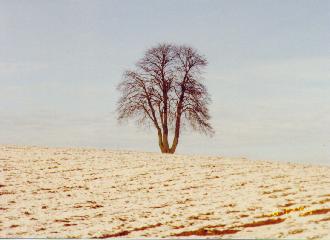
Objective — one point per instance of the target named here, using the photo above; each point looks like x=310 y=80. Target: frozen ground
x=85 y=193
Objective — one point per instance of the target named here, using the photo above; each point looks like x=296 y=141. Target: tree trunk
x=177 y=123
x=160 y=140
x=176 y=135
x=164 y=148
x=165 y=139
x=165 y=122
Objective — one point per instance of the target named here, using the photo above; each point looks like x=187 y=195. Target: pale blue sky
x=268 y=73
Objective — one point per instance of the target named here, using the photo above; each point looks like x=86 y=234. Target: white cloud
x=295 y=70
x=13 y=68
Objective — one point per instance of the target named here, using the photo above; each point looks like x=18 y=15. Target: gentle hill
x=88 y=193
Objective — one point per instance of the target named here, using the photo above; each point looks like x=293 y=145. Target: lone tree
x=166 y=91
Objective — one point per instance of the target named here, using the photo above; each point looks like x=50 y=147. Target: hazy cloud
x=23 y=68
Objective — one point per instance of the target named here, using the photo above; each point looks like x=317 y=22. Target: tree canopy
x=165 y=90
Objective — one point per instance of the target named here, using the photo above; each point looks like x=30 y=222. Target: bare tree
x=166 y=91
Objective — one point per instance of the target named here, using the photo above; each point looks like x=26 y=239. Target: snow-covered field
x=89 y=193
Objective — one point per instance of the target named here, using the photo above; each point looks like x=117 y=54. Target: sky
x=268 y=73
